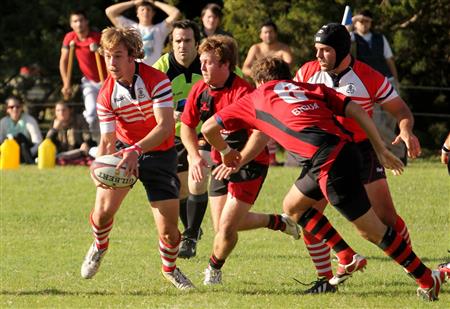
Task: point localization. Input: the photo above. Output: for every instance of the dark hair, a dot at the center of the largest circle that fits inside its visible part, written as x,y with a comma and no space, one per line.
366,13
214,8
186,24
15,98
270,68
269,23
78,12
223,46
146,3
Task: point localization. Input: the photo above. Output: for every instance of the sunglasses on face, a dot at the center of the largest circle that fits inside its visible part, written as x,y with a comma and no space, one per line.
14,106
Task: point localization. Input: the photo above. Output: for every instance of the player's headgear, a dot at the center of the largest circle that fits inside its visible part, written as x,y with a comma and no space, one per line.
336,36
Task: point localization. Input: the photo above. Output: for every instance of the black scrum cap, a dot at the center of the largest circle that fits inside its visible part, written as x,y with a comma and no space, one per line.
336,36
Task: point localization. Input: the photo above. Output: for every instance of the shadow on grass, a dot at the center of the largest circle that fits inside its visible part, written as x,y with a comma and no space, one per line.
52,292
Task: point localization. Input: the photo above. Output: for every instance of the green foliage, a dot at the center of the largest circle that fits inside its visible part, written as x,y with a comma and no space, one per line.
32,31
44,234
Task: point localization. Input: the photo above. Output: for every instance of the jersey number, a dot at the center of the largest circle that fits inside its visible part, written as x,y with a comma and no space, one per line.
290,93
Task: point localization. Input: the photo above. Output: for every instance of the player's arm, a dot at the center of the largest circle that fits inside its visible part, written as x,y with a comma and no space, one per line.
172,12
196,162
254,146
211,131
107,144
387,159
398,108
251,57
63,62
115,10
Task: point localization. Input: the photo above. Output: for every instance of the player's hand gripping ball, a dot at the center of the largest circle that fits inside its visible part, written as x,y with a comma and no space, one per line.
103,169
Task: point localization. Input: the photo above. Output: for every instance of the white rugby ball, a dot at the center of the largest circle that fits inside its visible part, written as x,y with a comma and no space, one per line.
104,170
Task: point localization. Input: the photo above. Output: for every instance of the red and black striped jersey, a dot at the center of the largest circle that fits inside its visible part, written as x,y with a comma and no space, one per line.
299,116
359,81
129,111
203,102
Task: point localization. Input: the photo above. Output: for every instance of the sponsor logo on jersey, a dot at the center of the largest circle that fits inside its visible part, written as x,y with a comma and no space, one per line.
351,89
119,99
307,107
141,93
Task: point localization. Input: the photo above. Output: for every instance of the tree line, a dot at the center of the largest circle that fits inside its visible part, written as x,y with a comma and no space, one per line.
418,31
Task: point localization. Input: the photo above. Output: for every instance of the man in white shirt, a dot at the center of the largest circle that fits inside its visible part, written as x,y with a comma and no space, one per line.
153,35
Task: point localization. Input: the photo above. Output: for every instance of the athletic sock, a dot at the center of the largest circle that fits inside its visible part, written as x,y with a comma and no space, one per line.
396,247
215,263
276,223
318,225
195,209
101,233
400,227
183,212
169,254
320,255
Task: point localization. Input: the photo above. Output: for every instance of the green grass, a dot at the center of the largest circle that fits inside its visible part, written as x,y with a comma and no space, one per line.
44,234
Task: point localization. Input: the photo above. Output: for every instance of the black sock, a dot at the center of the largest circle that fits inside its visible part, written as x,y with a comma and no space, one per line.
276,223
215,262
195,209
183,212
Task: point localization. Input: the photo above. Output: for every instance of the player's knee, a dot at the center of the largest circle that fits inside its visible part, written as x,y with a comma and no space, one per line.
227,232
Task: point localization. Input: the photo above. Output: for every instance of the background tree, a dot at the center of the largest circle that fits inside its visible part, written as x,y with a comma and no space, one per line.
32,31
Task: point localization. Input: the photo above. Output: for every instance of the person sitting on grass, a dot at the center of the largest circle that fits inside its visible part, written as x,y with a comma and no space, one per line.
23,128
70,133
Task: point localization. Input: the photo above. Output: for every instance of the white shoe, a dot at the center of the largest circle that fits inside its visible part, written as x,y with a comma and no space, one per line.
292,228
92,262
345,271
178,279
212,276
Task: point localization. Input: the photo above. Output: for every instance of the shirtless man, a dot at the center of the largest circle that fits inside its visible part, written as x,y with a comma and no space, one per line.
270,46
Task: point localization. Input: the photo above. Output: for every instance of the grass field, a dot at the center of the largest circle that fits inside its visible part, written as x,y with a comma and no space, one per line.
45,234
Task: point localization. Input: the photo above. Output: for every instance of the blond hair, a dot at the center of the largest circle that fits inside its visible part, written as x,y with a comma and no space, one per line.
223,46
131,38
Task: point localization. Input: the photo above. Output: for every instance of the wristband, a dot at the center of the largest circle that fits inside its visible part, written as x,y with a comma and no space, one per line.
445,149
225,151
135,148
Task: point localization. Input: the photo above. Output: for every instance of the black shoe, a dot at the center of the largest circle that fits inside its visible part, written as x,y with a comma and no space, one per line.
188,248
321,285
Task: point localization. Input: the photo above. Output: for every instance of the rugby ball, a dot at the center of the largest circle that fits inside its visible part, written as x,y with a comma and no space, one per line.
103,169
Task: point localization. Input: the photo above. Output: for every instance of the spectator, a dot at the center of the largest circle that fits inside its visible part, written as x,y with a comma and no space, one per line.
270,46
373,49
182,66
86,42
153,36
211,17
23,127
70,133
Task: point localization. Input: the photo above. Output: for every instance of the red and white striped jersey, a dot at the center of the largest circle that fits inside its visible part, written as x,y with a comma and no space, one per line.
129,111
359,81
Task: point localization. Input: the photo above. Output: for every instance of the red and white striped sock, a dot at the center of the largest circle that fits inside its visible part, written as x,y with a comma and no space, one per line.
400,227
168,255
320,255
101,233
